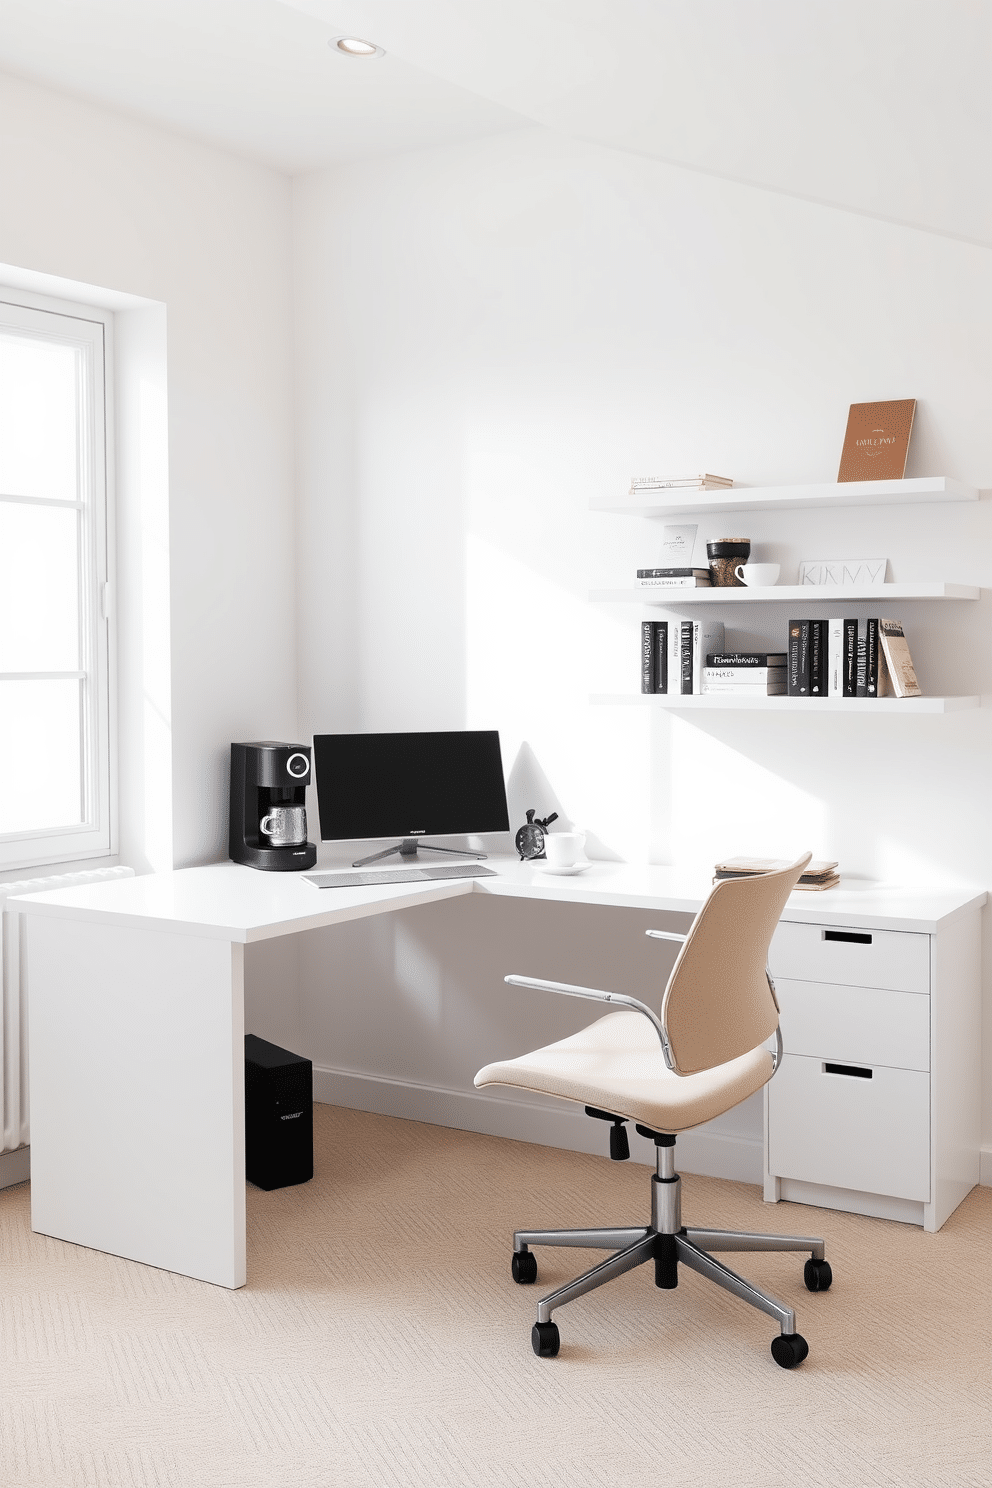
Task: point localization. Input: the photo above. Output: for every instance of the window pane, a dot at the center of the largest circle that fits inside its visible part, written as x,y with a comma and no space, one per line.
39,611
40,782
38,440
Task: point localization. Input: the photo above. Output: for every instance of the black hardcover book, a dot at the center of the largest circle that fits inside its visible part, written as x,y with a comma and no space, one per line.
648,657
804,657
660,655
871,658
861,663
673,573
818,658
747,659
795,657
850,661
685,657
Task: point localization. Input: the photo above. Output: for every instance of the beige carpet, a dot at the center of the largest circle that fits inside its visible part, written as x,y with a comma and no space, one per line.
381,1341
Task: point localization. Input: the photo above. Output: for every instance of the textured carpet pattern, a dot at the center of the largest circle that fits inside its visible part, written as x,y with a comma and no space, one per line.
380,1341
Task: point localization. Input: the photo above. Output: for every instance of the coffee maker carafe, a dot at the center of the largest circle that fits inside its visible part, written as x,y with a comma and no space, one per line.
268,806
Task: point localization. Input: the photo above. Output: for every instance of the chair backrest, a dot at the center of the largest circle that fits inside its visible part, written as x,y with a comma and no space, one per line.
718,1004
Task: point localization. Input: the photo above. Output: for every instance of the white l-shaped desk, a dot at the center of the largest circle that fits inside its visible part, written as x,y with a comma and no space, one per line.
136,1006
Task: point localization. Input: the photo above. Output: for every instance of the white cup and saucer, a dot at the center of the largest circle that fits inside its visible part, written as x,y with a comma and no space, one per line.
563,851
758,575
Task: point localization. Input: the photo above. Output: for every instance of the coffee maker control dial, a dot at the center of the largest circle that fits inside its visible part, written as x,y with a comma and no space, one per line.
298,765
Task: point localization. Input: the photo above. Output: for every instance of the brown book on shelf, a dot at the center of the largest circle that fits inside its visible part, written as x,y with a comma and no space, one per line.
899,663
877,441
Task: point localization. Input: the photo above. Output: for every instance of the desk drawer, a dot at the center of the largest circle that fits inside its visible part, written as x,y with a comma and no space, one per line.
849,1131
860,1025
895,959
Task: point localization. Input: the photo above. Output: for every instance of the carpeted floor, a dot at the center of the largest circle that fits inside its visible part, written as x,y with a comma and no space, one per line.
381,1341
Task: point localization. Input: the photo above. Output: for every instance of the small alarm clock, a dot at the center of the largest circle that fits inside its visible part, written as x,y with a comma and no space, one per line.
530,838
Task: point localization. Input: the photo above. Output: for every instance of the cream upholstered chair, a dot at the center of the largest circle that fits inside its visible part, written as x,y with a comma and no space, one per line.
705,1054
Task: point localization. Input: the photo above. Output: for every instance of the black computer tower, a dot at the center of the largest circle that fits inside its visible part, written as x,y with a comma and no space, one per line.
278,1115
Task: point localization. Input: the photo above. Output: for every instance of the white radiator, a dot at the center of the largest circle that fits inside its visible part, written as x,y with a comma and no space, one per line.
15,1131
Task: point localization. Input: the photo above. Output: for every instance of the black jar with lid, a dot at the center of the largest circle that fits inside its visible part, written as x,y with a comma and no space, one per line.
725,555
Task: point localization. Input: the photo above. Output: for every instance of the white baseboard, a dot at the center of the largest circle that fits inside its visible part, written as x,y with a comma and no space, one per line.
985,1167
715,1154
15,1167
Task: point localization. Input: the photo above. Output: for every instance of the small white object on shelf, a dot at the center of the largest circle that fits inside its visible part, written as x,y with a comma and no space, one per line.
844,573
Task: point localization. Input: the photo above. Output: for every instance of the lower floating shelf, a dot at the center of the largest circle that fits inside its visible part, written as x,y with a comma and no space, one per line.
676,703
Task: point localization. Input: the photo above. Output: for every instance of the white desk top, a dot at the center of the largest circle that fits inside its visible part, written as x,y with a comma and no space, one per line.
231,902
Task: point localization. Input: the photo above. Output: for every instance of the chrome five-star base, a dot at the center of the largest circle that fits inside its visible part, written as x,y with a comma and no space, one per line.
667,1242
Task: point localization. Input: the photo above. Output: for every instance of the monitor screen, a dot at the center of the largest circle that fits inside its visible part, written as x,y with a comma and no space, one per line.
409,785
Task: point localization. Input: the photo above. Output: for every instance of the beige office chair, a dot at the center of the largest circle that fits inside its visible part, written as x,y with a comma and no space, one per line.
703,1056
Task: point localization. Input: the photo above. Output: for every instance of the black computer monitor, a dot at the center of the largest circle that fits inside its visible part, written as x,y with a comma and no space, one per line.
371,786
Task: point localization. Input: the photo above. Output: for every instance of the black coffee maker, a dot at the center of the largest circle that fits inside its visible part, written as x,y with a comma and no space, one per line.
268,806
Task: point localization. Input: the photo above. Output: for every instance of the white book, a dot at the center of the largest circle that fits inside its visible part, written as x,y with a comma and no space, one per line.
745,689
707,636
893,646
835,658
680,583
755,676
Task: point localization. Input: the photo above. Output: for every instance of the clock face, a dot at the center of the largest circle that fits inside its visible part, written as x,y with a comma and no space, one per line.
530,841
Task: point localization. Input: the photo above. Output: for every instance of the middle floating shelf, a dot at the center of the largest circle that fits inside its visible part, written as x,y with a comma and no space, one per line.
831,594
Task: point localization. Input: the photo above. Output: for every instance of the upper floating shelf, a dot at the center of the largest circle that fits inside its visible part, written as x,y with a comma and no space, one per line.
790,498
833,594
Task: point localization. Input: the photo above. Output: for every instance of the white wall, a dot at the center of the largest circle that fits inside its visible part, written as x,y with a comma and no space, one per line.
91,196
491,336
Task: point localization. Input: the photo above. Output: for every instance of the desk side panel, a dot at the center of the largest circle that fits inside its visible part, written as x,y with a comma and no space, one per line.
137,1094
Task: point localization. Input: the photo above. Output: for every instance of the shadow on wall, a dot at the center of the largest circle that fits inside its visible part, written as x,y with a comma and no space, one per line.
528,786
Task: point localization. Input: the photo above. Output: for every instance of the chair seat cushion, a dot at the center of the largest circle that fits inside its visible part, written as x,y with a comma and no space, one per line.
616,1064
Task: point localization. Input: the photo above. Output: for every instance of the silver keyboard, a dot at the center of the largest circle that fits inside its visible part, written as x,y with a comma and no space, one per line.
364,877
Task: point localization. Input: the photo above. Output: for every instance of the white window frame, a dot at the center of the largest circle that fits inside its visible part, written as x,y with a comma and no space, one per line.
90,330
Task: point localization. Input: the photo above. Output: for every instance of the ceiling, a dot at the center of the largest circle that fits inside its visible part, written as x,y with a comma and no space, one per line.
875,106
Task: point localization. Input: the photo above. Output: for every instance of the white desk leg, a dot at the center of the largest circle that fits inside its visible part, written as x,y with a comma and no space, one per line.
137,1094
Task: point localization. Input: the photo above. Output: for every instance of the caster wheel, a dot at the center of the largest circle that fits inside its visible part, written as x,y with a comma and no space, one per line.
524,1267
546,1340
789,1349
817,1275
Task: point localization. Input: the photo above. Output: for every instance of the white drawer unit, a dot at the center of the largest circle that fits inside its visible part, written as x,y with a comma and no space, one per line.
852,957
875,1107
856,1025
852,1126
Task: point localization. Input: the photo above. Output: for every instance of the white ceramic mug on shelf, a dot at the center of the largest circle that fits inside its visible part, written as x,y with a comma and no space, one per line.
563,849
758,575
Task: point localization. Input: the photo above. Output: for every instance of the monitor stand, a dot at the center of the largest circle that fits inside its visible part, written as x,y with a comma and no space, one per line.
409,848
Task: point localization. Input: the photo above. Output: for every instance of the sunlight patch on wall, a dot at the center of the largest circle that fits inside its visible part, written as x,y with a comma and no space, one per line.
533,648
724,804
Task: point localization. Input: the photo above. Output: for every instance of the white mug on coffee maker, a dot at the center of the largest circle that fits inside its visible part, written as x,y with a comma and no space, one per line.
285,826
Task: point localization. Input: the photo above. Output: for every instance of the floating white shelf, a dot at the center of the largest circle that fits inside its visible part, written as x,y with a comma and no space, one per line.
672,503
736,703
832,594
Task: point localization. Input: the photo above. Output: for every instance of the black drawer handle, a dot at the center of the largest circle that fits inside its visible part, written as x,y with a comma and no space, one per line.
851,936
848,1069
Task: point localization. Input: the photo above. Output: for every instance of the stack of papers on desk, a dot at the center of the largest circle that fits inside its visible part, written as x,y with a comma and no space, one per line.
817,875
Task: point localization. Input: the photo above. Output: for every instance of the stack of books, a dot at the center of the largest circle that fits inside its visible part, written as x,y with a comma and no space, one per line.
816,876
639,483
850,658
745,673
674,578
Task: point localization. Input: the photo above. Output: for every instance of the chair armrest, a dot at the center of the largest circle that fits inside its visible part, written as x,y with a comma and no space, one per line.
665,935
593,993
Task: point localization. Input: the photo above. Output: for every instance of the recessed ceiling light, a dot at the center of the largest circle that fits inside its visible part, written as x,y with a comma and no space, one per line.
353,46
